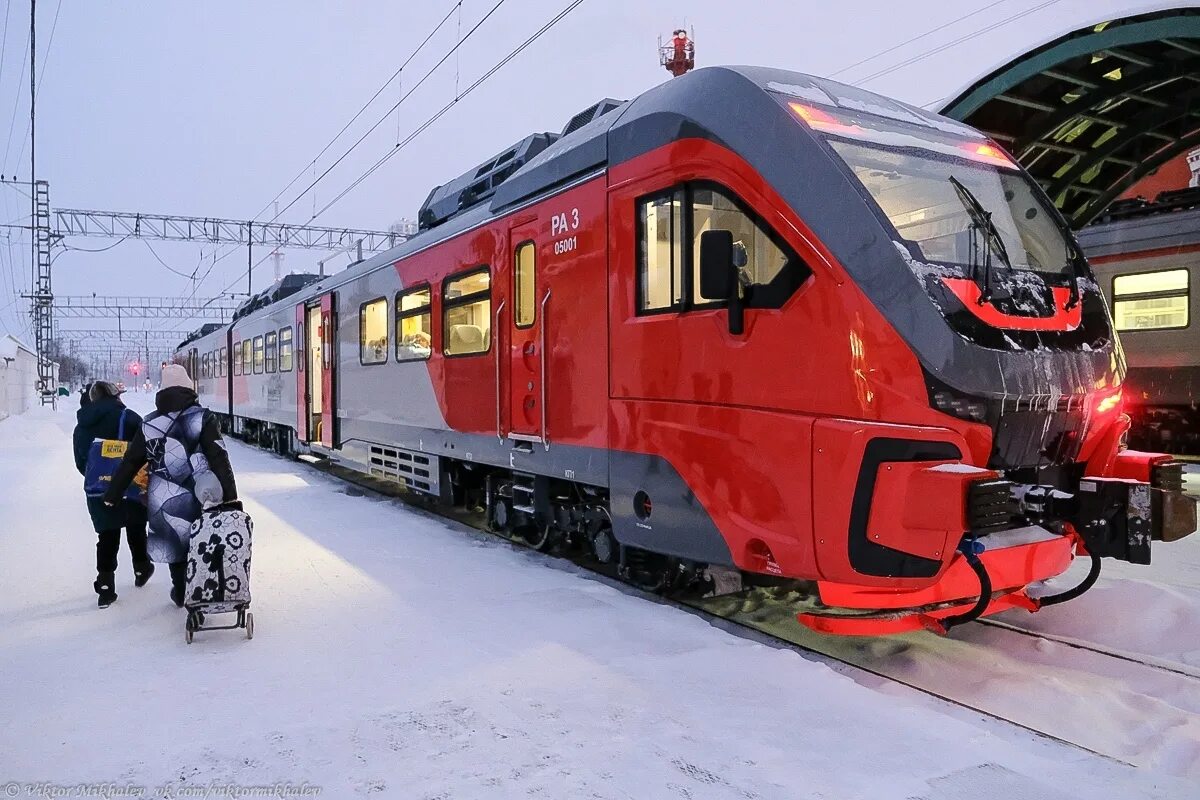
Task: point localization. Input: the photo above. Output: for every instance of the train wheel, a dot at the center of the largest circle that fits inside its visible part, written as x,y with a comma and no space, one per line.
649,572
540,537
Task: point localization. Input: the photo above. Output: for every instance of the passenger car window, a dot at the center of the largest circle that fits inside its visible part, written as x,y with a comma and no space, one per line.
223,363
258,354
373,332
272,352
247,364
1151,300
467,313
414,324
237,358
285,349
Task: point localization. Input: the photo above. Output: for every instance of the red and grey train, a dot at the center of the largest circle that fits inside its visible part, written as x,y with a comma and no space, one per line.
750,328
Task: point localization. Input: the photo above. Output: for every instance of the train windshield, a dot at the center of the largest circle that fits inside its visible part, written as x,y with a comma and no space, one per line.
951,194
921,193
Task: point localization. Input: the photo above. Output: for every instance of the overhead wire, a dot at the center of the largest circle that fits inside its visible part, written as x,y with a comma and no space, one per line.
918,38
954,43
16,106
456,6
41,76
459,96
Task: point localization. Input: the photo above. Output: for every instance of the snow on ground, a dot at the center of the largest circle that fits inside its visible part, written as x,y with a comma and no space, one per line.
401,654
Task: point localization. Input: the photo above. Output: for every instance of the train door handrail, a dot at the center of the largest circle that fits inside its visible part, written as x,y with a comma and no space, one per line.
499,356
545,375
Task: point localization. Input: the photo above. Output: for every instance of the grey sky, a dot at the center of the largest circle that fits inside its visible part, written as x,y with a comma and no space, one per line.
211,108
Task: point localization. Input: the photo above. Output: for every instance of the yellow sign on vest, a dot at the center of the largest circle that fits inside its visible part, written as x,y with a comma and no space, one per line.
113,448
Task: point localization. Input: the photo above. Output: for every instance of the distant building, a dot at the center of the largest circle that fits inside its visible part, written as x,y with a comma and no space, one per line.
18,377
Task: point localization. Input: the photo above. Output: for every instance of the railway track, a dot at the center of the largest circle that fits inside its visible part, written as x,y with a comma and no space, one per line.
767,616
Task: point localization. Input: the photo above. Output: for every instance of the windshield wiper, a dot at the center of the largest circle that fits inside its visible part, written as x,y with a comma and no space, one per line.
981,219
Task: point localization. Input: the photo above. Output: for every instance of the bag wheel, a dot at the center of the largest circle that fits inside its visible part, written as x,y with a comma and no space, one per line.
249,625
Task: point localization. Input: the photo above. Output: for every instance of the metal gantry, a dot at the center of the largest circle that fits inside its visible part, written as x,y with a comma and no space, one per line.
101,337
42,297
111,307
211,230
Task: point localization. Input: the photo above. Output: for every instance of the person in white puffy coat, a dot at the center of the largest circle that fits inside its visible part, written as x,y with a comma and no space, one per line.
189,471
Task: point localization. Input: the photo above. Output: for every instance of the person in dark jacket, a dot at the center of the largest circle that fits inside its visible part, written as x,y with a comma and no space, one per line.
189,471
100,418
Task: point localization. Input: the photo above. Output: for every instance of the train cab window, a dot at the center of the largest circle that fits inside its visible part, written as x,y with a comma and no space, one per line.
414,324
524,280
467,313
237,358
285,349
271,347
660,252
259,355
1151,300
247,363
670,227
715,209
373,331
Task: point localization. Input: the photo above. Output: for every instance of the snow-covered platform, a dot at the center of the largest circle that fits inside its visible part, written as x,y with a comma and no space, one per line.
401,654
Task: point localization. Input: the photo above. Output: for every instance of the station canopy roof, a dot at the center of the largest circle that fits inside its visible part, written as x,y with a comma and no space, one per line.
1093,111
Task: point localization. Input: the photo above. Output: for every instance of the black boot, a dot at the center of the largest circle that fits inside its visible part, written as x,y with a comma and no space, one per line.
142,573
178,582
106,592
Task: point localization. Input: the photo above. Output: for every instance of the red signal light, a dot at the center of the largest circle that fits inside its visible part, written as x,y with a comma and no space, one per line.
1109,403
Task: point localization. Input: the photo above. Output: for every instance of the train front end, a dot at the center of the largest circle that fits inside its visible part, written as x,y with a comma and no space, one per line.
1015,464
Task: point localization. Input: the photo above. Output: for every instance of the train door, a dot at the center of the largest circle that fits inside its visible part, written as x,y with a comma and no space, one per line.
328,364
193,367
317,389
302,373
525,363
227,371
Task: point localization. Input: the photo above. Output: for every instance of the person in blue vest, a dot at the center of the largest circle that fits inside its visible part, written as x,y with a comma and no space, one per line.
189,471
100,418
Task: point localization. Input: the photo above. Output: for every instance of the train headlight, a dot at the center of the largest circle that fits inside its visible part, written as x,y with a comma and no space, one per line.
960,406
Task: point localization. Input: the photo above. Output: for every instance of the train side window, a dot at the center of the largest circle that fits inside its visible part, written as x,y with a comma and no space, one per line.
204,365
1148,301
669,228
660,252
271,347
259,355
247,363
467,313
772,272
285,349
414,324
524,283
237,358
223,363
373,331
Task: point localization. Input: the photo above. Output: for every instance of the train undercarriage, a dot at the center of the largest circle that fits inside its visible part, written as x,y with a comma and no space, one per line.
1021,533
